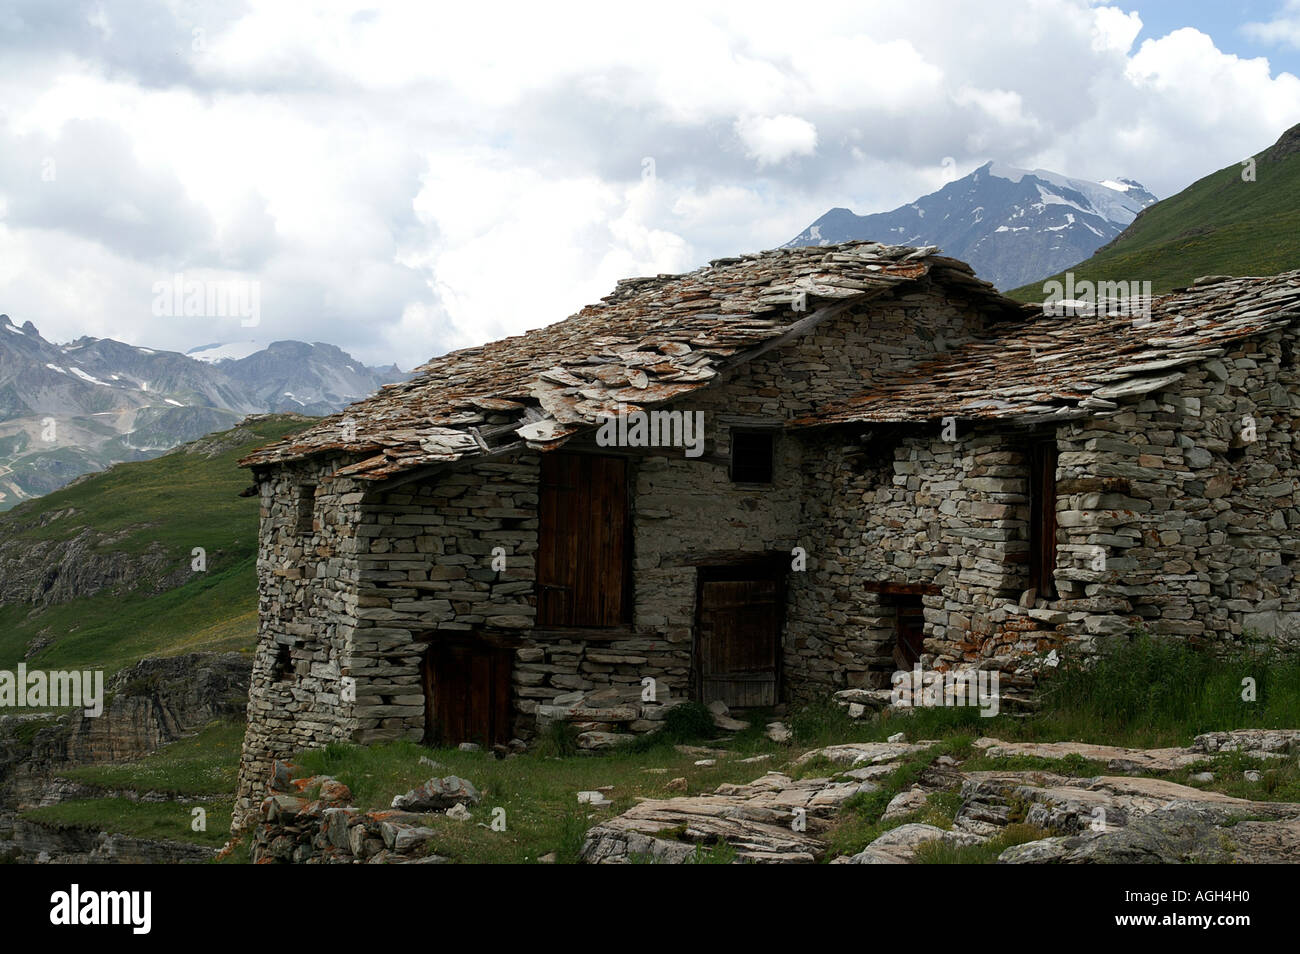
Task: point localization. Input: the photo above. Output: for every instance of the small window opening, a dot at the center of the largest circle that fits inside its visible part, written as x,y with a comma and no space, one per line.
306,508
874,455
751,456
283,667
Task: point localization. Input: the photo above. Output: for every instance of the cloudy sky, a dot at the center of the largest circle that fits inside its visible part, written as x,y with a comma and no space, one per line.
402,179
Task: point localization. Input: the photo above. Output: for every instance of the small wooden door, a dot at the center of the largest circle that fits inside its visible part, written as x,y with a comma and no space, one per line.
583,542
739,631
910,629
467,693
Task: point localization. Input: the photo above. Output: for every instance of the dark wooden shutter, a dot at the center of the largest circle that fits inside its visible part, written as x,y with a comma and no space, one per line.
1042,519
739,634
582,559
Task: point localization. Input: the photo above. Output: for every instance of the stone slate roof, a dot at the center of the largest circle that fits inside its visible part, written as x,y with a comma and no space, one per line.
1061,367
649,341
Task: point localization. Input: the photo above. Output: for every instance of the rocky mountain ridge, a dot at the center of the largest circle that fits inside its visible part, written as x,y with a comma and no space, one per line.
1012,225
71,409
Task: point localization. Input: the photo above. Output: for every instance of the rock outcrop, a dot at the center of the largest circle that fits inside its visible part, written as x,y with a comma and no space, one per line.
150,704
1108,819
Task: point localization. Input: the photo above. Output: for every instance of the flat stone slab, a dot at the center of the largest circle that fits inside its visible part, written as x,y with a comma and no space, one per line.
1117,758
898,845
758,819
864,753
553,713
1251,741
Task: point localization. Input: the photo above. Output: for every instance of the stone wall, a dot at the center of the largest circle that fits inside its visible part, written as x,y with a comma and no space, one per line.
688,513
903,507
385,571
1176,513
1192,510
425,558
307,573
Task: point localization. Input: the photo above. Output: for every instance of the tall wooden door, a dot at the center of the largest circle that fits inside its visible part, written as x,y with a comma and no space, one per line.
739,628
583,542
467,693
1042,519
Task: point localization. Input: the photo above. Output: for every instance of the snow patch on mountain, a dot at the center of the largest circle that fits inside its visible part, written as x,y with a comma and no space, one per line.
90,378
228,351
1114,202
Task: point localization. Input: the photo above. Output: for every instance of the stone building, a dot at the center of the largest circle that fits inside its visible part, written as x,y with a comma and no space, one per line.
780,476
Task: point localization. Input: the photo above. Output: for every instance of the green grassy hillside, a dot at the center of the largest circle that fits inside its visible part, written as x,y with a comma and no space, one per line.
159,510
1219,225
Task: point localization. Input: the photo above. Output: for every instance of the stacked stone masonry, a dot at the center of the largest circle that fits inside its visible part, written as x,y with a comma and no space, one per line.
1175,512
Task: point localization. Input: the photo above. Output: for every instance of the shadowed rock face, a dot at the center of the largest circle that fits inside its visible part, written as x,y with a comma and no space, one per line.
82,846
45,572
1109,819
1179,832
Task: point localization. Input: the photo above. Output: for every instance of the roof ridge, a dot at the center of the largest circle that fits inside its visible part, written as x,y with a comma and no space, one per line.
650,340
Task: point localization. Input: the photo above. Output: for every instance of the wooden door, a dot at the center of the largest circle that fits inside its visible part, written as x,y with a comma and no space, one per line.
739,633
910,630
583,541
1042,519
467,694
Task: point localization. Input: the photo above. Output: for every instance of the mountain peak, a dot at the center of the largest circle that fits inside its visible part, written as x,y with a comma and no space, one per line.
1226,223
1012,225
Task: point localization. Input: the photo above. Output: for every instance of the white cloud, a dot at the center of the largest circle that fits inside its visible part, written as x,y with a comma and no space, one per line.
1283,29
517,250
773,139
413,177
1114,30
